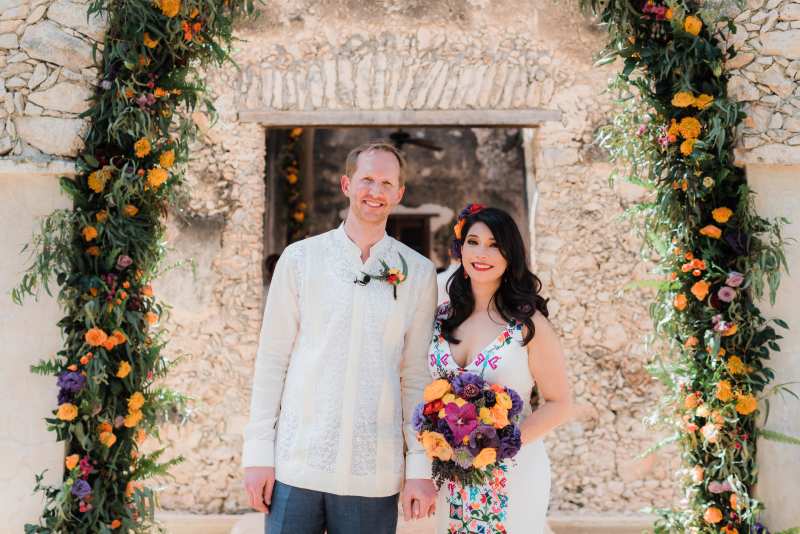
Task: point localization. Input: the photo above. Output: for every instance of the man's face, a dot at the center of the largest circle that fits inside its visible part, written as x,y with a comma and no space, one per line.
374,189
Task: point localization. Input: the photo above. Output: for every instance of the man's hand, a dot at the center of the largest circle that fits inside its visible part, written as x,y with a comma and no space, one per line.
259,481
419,498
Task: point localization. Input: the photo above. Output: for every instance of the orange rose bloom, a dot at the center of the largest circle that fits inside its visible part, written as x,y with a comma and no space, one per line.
136,401
680,302
105,426
67,411
721,215
95,337
436,446
693,25
500,416
133,418
700,289
93,251
71,461
119,337
712,515
89,233
485,457
724,391
711,231
108,439
435,390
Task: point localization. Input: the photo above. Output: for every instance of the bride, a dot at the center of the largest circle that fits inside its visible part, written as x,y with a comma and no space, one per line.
495,325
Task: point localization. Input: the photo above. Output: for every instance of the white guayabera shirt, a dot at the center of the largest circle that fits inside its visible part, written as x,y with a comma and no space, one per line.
340,367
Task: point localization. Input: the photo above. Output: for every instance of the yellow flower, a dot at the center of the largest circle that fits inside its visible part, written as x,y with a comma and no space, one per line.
67,411
71,461
130,210
170,8
136,401
156,177
101,216
692,25
97,181
683,100
700,289
724,392
124,369
680,302
711,231
485,457
108,438
486,416
690,128
736,366
436,390
686,148
436,446
148,41
89,233
141,147
291,178
708,182
166,159
722,215
504,400
746,404
703,101
133,418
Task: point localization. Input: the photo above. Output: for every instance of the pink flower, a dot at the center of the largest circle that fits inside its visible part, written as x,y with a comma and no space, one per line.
642,128
734,279
726,294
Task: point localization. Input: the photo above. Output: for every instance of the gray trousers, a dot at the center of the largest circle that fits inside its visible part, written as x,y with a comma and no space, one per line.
303,511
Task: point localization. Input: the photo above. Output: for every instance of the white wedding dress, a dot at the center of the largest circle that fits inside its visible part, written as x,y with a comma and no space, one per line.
515,501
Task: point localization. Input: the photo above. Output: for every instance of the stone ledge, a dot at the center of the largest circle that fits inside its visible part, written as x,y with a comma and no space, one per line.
769,154
48,167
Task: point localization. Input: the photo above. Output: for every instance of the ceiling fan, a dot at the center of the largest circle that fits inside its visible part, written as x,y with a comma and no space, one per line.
400,138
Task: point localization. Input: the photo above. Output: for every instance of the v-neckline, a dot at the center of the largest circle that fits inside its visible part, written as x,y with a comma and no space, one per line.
483,351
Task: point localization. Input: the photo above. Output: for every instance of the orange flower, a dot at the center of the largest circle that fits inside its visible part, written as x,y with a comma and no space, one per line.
133,418
156,177
97,181
692,341
115,524
105,426
93,250
436,446
458,227
703,101
721,215
691,401
680,302
724,391
119,336
712,515
160,92
746,404
101,216
95,337
689,128
736,366
124,369
435,390
141,435
110,343
166,159
130,210
500,416
71,461
668,13
711,231
141,147
729,530
686,149
67,411
151,317
136,401
170,8
486,457
700,289
89,233
107,438
734,501
147,291
732,329
682,99
148,41
693,25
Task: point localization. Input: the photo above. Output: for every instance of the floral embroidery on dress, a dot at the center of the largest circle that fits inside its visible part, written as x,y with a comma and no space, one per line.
478,509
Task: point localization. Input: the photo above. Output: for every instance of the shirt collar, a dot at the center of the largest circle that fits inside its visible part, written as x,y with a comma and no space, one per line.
352,251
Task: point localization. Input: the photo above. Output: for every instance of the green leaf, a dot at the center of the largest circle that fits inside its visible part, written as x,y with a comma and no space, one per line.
778,437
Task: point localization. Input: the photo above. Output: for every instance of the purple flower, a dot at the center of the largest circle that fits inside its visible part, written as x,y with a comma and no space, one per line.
462,457
461,419
64,396
516,403
444,429
489,398
123,261
734,279
726,294
417,420
71,381
81,488
482,437
510,442
468,385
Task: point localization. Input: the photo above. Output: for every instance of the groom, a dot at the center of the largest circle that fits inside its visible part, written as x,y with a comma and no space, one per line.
341,364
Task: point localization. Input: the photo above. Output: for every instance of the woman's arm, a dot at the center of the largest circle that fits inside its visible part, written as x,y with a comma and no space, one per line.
548,367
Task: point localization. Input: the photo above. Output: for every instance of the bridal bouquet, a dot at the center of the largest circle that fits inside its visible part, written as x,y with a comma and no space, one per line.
467,426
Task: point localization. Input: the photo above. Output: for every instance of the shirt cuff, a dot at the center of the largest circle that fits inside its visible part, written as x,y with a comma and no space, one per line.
417,465
258,453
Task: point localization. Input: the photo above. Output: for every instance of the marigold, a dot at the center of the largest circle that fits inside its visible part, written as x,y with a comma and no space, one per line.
160,92
682,99
151,317
711,231
148,41
722,215
686,148
166,159
170,8
680,302
746,404
136,401
93,250
724,391
105,426
435,390
703,101
107,438
89,233
736,366
95,337
436,446
141,147
124,369
689,128
700,289
156,177
133,418
97,181
673,129
71,461
486,457
130,210
691,401
693,25
67,411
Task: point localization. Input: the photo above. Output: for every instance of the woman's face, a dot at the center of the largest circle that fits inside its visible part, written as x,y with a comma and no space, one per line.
481,256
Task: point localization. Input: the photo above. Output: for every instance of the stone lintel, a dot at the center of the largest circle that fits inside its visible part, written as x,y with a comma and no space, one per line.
511,118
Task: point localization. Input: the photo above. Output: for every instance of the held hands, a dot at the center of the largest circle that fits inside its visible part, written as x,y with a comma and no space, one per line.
258,482
418,498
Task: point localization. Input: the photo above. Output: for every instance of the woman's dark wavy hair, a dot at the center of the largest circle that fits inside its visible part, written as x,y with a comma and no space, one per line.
518,295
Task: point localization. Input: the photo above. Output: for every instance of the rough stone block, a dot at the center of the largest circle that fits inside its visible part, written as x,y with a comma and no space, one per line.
52,135
48,42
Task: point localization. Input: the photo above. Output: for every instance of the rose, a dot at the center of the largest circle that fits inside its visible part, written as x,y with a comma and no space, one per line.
436,446
734,279
123,261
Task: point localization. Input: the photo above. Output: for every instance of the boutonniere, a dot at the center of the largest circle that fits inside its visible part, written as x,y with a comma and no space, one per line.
390,275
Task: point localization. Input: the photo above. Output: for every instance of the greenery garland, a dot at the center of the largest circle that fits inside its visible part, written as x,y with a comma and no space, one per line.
106,249
289,157
675,135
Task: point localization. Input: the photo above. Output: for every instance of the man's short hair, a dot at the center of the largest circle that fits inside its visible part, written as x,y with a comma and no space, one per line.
381,145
